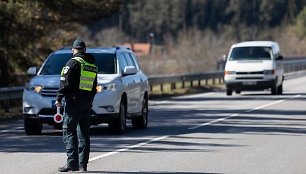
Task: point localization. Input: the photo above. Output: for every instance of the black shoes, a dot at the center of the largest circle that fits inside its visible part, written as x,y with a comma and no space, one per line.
67,168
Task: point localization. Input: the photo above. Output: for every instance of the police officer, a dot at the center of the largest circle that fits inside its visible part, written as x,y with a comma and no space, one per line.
78,85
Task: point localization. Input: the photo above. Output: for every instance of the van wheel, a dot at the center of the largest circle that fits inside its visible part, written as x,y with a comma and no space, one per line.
118,126
141,122
280,89
229,92
32,126
274,90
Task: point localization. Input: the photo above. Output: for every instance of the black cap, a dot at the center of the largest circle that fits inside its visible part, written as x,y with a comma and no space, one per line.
79,44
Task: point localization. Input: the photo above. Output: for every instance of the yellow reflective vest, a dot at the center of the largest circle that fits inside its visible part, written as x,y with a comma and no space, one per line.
88,74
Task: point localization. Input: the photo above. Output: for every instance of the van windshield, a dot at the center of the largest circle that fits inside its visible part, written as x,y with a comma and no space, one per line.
251,53
106,63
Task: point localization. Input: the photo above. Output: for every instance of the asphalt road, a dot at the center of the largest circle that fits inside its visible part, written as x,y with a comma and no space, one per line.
254,132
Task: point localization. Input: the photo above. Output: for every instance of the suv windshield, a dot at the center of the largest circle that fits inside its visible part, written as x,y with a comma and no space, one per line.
251,53
106,63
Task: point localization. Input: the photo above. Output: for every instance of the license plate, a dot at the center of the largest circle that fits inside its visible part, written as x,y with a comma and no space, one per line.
62,103
249,83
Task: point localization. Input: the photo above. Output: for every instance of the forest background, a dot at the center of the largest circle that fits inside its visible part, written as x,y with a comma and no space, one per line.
187,36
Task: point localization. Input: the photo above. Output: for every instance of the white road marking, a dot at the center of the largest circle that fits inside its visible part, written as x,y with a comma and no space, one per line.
128,148
191,128
211,122
247,111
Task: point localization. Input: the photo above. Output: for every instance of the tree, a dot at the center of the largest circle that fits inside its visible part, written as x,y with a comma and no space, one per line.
31,28
301,23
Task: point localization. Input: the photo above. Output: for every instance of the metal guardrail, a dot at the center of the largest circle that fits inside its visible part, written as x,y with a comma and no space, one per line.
173,79
295,65
7,94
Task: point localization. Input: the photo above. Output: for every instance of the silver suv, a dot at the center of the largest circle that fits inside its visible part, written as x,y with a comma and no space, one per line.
122,91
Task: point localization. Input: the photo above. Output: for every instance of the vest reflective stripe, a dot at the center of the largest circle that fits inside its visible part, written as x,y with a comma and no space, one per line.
62,70
88,74
85,85
87,78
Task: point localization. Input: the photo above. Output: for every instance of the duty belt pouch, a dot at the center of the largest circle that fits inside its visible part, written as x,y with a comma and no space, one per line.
71,100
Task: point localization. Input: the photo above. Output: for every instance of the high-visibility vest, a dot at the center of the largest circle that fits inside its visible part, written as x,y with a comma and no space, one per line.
88,74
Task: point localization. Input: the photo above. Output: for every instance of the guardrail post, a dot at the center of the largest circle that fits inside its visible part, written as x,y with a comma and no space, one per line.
191,83
151,88
183,84
173,86
214,80
199,84
206,81
161,87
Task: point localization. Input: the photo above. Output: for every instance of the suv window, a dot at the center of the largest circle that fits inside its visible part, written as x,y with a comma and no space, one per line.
129,60
106,63
122,62
135,60
251,53
55,64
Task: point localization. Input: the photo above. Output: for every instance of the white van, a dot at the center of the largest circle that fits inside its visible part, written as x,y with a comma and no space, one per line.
254,65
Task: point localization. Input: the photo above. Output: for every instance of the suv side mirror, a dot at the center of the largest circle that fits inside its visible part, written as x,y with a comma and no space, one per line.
32,71
280,57
129,70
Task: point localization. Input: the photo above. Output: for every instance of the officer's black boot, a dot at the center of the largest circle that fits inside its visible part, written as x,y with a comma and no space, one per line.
67,168
83,169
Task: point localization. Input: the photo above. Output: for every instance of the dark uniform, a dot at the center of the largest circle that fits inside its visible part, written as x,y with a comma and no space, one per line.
76,121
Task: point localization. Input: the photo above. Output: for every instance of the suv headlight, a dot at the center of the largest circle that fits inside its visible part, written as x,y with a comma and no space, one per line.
106,87
36,89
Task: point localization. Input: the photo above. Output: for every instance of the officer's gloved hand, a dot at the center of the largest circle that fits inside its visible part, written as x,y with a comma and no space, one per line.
57,104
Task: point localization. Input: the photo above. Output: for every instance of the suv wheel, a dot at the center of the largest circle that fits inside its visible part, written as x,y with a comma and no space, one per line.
32,126
141,122
119,124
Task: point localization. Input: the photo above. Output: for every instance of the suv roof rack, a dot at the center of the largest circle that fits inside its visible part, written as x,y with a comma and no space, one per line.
122,47
66,47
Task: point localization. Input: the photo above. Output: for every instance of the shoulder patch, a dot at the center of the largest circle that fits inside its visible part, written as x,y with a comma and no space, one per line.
63,78
66,69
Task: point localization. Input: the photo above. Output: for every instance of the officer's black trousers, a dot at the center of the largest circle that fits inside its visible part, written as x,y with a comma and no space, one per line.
76,124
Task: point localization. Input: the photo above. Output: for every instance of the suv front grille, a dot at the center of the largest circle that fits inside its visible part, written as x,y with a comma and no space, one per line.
49,92
254,72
